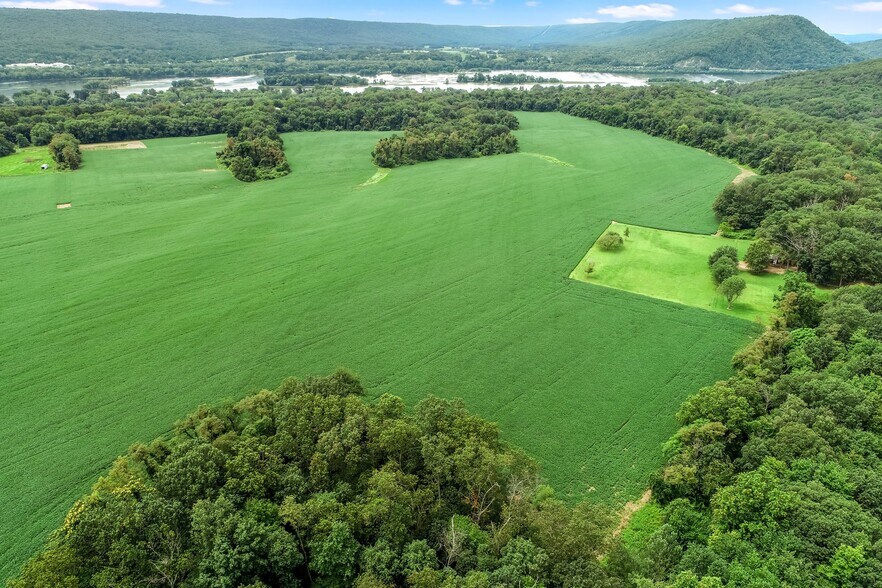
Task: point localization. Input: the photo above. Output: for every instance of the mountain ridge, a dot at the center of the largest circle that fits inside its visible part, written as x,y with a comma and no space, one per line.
766,42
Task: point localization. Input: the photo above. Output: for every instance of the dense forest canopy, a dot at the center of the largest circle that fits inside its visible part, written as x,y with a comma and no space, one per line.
852,92
765,43
775,477
311,485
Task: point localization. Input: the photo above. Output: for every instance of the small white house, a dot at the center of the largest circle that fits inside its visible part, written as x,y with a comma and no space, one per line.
45,166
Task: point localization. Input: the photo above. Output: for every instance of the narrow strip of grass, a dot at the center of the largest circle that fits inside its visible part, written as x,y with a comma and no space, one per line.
673,266
27,162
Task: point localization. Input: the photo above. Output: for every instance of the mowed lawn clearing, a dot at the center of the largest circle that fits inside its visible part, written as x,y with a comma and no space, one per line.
164,287
27,162
673,266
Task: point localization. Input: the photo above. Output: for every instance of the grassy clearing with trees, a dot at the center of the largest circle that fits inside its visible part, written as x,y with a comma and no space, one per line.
26,162
673,266
160,291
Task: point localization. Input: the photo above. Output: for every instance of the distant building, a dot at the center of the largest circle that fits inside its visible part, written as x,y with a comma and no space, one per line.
44,166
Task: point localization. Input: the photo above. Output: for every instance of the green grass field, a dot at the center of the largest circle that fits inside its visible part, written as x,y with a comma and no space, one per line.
673,266
166,286
27,162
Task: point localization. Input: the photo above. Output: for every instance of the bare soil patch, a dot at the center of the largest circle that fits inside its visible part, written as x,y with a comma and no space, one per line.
744,175
379,176
772,269
548,159
209,169
63,205
116,145
629,510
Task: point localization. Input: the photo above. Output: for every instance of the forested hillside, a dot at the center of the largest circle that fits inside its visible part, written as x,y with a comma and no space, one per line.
872,49
852,92
765,43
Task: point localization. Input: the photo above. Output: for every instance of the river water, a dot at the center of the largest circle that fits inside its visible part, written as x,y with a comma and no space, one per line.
414,81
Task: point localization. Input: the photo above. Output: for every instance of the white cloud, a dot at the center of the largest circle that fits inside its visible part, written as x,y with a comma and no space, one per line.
149,3
77,4
746,9
53,5
453,2
532,4
864,7
652,10
582,20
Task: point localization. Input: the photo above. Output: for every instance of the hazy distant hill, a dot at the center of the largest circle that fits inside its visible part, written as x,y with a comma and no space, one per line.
863,38
871,49
772,42
851,92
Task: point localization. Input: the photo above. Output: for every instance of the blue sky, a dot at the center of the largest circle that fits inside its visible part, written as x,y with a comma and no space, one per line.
835,17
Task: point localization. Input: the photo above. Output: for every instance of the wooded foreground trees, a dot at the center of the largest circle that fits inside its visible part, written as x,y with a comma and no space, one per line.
311,485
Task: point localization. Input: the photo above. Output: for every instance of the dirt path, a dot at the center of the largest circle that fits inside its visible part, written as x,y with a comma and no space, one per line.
629,510
117,145
745,173
742,265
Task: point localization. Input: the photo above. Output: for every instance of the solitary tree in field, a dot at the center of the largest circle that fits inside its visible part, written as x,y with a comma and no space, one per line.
589,269
732,288
627,232
758,255
611,241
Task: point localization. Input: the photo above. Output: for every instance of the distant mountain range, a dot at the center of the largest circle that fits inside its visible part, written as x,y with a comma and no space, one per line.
75,36
851,39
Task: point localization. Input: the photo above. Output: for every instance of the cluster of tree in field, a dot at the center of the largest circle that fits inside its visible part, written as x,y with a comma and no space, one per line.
467,132
255,153
775,476
723,264
503,78
65,150
311,485
312,79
